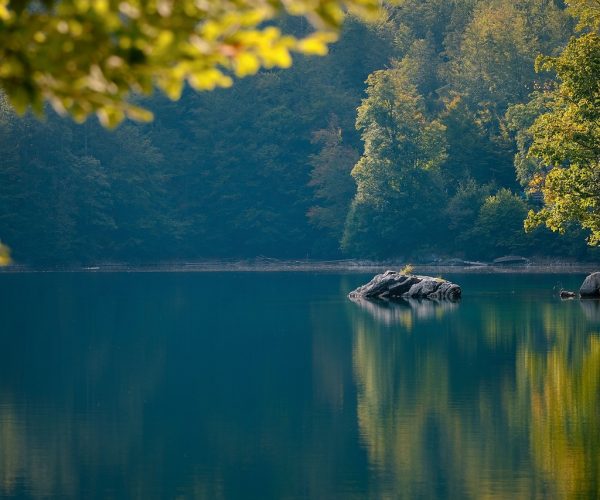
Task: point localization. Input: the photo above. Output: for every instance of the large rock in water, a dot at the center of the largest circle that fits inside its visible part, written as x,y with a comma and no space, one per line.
591,286
393,284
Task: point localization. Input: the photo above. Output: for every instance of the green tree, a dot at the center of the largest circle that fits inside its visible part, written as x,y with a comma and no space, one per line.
493,64
331,180
518,120
399,190
566,139
498,229
462,211
476,148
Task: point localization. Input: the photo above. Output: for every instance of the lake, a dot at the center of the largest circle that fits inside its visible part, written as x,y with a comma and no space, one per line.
276,386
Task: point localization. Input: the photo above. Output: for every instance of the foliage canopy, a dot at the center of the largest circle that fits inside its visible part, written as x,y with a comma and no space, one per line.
566,138
263,168
88,56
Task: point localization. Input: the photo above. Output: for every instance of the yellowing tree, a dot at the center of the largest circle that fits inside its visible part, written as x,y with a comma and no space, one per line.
87,56
566,138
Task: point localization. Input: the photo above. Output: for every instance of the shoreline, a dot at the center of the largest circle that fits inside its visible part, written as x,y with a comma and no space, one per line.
299,266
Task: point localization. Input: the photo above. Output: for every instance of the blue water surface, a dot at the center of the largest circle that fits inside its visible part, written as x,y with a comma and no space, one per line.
276,386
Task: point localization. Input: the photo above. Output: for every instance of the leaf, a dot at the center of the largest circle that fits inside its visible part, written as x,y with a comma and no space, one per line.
317,44
246,64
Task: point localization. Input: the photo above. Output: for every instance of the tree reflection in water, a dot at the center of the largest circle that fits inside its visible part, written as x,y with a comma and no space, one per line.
163,384
499,399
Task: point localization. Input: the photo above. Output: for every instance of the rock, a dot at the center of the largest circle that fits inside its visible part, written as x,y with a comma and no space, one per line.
403,286
591,287
393,284
564,294
512,260
423,288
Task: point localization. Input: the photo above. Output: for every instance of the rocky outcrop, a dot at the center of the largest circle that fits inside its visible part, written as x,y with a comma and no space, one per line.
590,289
392,284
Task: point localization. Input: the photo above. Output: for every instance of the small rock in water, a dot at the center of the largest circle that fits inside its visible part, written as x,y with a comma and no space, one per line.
591,287
565,294
392,284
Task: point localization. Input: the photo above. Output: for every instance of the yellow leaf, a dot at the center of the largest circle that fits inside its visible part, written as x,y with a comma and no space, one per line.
110,117
139,114
5,14
246,64
172,85
164,39
316,44
208,79
101,6
277,56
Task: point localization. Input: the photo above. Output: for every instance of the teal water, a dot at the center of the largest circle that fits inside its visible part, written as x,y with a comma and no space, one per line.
274,385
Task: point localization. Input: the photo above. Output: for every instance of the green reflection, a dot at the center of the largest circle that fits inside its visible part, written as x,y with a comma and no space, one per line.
561,389
499,398
167,386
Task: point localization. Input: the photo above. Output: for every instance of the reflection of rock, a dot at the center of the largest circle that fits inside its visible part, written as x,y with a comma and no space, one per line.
393,284
591,286
591,309
459,263
403,311
511,260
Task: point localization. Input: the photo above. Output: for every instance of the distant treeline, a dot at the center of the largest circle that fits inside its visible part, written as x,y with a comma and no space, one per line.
264,168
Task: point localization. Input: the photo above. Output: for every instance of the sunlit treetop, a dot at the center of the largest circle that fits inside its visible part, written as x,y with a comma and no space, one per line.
88,56
587,12
565,143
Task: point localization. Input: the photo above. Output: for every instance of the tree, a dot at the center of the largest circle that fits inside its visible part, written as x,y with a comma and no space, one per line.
499,229
476,148
399,191
462,212
88,56
566,139
518,120
494,63
331,180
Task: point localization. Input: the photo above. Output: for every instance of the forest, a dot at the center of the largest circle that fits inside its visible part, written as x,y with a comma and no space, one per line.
415,136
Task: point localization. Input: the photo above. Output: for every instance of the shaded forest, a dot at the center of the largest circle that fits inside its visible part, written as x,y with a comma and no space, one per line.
406,140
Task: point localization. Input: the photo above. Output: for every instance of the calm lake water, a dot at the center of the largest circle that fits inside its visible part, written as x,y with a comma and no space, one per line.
274,385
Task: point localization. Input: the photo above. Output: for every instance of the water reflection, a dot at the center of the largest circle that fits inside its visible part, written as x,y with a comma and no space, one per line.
591,309
562,405
73,394
404,311
163,387
498,400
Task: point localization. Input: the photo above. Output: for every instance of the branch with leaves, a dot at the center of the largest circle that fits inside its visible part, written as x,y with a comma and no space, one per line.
88,56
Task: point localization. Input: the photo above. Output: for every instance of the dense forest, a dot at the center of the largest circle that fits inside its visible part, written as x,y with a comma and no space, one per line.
407,140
